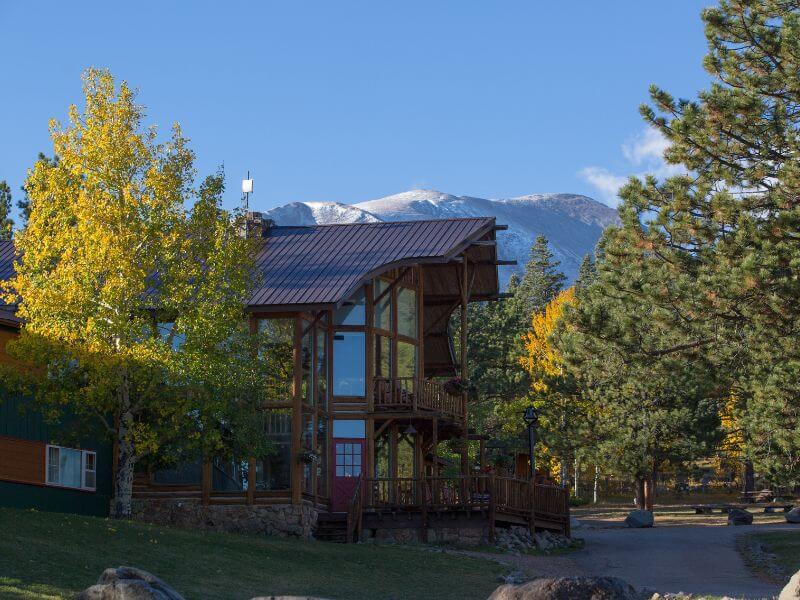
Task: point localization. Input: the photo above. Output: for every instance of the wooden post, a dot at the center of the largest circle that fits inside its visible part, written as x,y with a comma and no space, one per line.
206,483
464,357
532,492
492,505
297,414
370,355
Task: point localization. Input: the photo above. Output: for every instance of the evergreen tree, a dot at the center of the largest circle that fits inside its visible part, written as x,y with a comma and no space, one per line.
541,281
6,223
24,203
586,273
722,241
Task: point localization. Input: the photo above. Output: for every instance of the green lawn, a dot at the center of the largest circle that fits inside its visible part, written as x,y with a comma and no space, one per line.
53,555
785,547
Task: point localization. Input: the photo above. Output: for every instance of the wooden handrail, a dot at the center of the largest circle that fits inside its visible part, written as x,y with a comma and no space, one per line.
355,509
415,394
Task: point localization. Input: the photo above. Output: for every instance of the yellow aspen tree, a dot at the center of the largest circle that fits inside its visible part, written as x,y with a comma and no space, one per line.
121,258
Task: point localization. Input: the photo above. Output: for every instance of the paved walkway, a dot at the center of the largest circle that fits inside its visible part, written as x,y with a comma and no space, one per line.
693,559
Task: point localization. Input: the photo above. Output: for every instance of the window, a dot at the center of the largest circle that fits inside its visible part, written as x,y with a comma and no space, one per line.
407,313
349,364
383,307
276,346
353,311
383,357
406,359
322,369
68,467
167,332
349,428
273,472
348,459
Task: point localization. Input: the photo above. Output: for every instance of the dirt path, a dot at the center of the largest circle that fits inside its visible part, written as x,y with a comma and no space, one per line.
694,559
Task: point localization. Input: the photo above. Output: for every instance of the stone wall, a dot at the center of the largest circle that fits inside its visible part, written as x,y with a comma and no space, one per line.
271,519
462,536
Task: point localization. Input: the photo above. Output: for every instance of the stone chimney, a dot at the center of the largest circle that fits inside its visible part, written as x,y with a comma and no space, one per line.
256,226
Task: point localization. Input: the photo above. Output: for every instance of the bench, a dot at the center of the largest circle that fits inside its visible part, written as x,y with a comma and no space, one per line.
707,509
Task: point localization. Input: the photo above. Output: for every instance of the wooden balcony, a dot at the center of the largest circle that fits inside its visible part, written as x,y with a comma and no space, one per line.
496,499
418,396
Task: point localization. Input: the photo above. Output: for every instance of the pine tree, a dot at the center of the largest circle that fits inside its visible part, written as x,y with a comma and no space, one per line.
541,281
723,240
6,223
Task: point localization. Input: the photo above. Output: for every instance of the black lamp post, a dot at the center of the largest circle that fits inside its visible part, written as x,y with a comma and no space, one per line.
531,418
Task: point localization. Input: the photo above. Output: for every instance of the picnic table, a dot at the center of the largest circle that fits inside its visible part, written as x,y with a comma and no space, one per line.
770,507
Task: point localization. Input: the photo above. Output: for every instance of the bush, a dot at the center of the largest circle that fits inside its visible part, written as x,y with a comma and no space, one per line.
578,501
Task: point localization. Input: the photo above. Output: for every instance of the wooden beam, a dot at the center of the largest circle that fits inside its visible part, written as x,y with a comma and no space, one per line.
484,243
297,415
382,427
500,227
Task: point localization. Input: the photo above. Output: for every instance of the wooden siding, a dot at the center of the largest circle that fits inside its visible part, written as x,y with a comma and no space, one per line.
22,461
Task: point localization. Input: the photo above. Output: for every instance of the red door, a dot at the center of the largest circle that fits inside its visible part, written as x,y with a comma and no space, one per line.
348,465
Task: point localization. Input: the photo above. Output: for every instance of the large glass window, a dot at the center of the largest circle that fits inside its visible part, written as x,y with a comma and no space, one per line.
349,428
406,359
322,451
273,472
353,311
276,348
406,456
230,475
183,473
383,356
348,363
306,387
68,467
383,467
322,369
383,307
407,312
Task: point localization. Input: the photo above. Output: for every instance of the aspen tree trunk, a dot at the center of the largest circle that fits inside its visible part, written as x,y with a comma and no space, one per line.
576,467
123,481
596,482
639,492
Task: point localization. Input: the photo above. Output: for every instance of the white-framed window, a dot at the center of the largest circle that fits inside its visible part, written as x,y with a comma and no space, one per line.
68,467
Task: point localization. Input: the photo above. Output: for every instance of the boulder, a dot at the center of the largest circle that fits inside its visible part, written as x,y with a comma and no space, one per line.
639,518
792,589
737,516
793,516
128,583
568,588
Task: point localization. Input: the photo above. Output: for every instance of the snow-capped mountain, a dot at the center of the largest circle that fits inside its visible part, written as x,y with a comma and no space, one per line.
571,223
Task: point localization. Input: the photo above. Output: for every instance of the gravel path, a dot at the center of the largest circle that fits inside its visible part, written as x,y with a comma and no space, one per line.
691,559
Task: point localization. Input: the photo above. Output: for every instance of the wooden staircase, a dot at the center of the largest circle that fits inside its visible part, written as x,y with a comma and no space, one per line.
332,527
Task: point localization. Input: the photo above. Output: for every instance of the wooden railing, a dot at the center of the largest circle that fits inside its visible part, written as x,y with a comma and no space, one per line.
355,510
503,495
411,393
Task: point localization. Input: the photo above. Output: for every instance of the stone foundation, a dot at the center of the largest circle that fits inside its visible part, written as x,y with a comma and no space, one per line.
270,519
464,536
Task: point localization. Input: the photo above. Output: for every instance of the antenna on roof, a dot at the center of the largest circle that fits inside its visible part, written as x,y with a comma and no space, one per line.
247,189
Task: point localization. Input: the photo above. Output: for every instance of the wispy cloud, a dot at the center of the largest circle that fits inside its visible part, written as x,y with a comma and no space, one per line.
644,153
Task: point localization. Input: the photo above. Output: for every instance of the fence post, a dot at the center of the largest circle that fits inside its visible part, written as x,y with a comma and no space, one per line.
492,505
533,506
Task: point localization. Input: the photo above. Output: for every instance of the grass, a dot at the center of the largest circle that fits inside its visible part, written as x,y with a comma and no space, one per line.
669,514
778,557
53,556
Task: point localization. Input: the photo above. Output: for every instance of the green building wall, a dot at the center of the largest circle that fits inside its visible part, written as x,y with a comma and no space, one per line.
19,420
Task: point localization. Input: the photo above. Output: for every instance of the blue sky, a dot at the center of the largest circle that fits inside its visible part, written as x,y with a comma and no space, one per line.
349,101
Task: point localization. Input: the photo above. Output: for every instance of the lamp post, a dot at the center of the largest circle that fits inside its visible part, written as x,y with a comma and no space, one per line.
531,418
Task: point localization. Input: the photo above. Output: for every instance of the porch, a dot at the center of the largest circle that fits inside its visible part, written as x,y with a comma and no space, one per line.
418,396
458,501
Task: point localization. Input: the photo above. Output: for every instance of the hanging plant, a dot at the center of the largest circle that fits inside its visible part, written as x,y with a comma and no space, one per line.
456,386
308,457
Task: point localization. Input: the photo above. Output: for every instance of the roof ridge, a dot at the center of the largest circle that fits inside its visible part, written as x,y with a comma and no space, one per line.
375,223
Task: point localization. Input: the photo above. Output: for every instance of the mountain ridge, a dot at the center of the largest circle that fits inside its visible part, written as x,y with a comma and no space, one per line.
572,223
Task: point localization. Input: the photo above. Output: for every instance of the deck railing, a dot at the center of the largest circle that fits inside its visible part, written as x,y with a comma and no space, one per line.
415,394
495,495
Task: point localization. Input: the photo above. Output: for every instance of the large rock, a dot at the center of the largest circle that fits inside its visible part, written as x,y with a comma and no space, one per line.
639,518
568,588
129,583
737,516
792,589
793,516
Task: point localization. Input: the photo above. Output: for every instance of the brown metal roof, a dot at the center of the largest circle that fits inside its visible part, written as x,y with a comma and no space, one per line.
324,264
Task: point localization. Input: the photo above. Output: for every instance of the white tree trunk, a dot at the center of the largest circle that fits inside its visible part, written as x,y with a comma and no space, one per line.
596,481
123,483
577,468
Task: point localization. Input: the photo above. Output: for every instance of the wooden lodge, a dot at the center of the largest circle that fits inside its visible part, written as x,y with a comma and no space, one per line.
357,318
